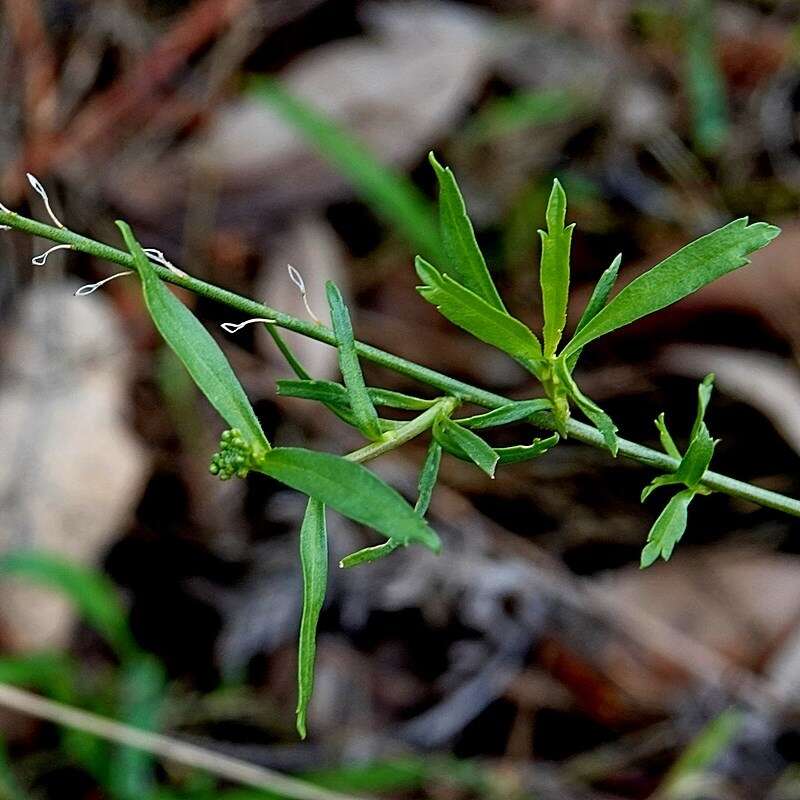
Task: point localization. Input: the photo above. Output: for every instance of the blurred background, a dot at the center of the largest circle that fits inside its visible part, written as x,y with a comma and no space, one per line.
532,659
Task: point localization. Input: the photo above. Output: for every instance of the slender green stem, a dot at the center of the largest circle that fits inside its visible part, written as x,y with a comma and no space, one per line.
463,391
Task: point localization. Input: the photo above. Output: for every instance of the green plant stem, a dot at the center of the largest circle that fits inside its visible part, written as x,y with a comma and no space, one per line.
405,433
463,391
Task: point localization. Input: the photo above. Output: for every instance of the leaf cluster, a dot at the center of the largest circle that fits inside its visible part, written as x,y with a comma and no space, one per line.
461,287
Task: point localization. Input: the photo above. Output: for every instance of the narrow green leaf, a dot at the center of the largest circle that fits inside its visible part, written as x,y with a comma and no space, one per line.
92,594
466,261
671,479
596,303
195,347
667,529
391,195
684,272
596,414
314,561
704,390
369,554
513,412
360,402
667,442
554,269
405,402
474,315
526,452
697,457
427,477
463,439
350,489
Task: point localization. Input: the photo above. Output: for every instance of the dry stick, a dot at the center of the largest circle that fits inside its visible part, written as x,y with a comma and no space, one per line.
463,391
165,747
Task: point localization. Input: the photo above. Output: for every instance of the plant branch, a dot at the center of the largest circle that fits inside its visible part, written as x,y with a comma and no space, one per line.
459,389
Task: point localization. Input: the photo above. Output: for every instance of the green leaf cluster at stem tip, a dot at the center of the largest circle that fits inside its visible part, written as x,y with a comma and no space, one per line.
461,287
670,526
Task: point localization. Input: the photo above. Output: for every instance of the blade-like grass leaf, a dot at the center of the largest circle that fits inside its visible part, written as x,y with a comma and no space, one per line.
142,688
554,269
463,439
314,561
93,595
350,489
684,272
667,529
474,315
360,402
195,347
466,261
392,196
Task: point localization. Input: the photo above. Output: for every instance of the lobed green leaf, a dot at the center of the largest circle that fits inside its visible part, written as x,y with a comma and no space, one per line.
350,489
314,562
692,267
554,269
466,261
364,412
473,314
195,347
668,529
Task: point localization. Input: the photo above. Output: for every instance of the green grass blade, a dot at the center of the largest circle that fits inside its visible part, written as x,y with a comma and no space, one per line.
196,348
467,264
684,272
391,195
705,82
92,594
469,443
142,684
360,402
473,314
350,489
314,561
554,269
